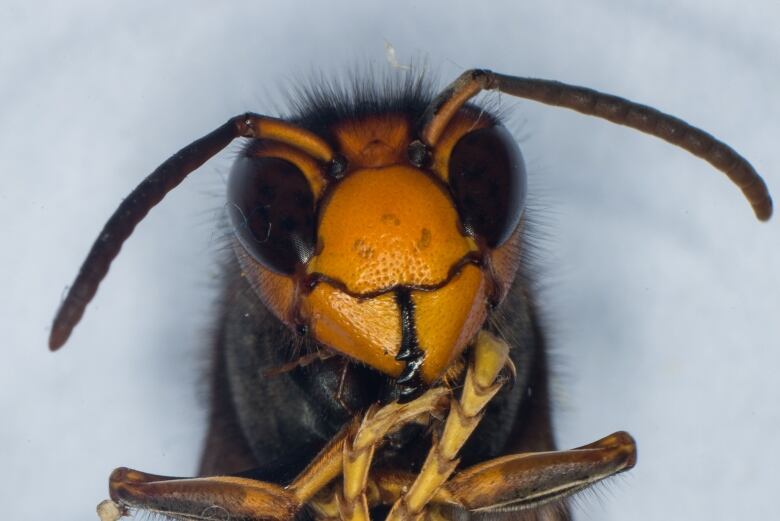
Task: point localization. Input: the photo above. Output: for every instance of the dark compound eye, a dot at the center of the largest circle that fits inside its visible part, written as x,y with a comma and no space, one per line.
271,207
488,181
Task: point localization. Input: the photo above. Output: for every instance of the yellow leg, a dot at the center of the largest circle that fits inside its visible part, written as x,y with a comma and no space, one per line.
359,450
236,497
513,482
351,451
490,356
325,505
529,480
328,464
198,498
356,458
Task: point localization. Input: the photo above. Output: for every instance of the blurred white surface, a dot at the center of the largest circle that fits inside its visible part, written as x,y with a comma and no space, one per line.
660,289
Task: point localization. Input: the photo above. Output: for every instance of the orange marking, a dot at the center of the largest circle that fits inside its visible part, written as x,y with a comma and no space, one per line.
367,330
448,319
278,292
386,227
310,168
374,142
279,130
463,89
506,259
461,124
387,224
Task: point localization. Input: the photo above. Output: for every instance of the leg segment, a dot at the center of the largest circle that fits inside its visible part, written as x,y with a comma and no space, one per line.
363,437
529,480
359,450
250,499
490,356
519,481
202,498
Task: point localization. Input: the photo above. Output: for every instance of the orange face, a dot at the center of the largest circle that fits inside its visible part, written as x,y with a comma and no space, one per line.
393,276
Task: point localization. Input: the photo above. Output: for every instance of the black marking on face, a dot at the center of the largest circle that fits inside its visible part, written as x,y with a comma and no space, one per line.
410,384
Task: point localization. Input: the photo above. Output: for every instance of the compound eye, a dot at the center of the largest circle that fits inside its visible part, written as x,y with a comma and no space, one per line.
271,208
488,181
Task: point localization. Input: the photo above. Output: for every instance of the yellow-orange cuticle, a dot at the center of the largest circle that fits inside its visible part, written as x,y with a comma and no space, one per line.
387,225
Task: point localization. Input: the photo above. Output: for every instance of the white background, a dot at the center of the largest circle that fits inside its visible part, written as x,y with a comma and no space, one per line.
659,287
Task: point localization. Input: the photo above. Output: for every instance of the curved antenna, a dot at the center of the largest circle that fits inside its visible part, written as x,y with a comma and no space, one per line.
612,108
151,191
